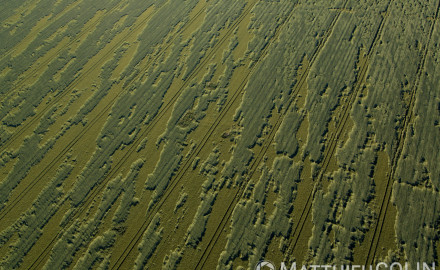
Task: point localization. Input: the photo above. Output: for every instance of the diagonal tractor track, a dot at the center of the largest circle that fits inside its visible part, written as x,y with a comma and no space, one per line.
174,182
400,143
335,137
83,207
99,118
239,194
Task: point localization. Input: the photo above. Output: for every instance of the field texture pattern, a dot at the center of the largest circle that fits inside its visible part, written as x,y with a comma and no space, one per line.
213,134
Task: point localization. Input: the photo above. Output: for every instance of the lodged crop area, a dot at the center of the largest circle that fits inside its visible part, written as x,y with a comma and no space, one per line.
213,134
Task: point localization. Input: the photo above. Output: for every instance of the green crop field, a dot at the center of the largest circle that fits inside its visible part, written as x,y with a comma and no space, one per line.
215,134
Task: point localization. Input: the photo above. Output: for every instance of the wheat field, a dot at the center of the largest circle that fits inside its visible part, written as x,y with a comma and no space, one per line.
214,134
